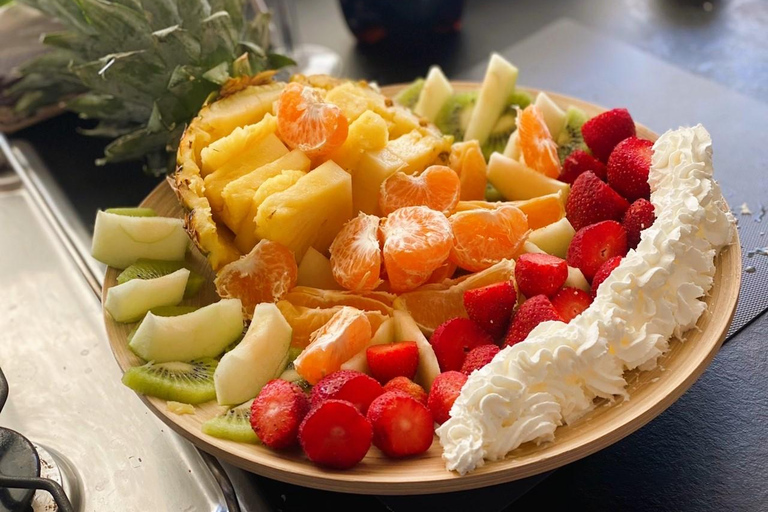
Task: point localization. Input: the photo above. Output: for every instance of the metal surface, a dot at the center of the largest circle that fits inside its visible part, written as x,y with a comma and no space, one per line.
65,386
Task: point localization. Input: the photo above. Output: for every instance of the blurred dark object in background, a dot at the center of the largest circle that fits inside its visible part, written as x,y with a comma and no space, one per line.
401,21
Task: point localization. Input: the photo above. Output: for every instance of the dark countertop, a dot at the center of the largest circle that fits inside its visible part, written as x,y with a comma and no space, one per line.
706,452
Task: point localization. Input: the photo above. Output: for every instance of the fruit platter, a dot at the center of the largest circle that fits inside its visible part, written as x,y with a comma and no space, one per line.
421,288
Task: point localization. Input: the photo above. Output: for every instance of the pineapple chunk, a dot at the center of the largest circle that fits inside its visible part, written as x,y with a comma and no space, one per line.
231,148
238,194
354,100
260,153
420,151
246,236
374,167
315,271
310,213
366,133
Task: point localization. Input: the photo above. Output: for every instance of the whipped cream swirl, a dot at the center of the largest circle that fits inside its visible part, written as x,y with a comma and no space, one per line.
553,377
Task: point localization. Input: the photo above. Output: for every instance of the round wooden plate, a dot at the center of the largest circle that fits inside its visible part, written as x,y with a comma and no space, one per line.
651,392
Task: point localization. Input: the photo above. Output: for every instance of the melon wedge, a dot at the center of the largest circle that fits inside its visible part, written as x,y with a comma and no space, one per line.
129,301
498,84
436,91
515,181
407,330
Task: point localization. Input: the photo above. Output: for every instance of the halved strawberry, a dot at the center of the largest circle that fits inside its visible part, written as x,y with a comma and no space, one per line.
579,162
531,313
445,389
639,216
335,434
570,302
277,413
402,426
628,168
603,272
594,245
452,340
479,357
592,201
604,131
491,306
350,385
406,385
540,274
386,362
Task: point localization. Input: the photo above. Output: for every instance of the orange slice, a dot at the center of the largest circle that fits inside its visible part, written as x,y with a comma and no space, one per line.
309,124
467,160
485,237
317,298
438,188
263,275
346,333
304,321
433,304
356,255
417,241
536,143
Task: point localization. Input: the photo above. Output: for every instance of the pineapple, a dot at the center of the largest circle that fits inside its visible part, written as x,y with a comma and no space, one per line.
246,239
233,144
420,151
238,195
309,213
366,133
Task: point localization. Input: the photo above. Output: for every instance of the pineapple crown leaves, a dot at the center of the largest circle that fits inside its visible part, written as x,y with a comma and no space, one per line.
142,68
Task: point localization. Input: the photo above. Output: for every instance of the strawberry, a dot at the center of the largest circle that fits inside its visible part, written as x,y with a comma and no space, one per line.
594,245
453,339
402,426
445,389
628,168
355,387
335,434
531,313
592,201
579,162
570,302
604,131
277,413
491,306
479,357
386,362
540,274
603,272
406,385
639,216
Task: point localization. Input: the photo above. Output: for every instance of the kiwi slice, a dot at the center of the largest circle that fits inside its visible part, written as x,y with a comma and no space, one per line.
133,212
235,425
410,95
570,139
151,269
506,124
291,375
164,311
191,383
454,116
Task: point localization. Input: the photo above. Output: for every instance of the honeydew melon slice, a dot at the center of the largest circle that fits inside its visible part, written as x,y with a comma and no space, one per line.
202,333
384,335
120,240
406,329
554,116
498,84
515,181
129,301
315,271
576,279
261,356
436,91
555,238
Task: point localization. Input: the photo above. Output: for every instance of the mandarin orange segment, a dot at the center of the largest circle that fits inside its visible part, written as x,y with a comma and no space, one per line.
438,188
443,272
307,123
356,255
263,275
305,320
540,211
417,240
433,304
485,237
318,298
536,143
467,160
344,335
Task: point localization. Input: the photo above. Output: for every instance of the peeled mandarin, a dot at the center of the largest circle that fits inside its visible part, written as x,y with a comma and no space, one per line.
355,254
483,237
438,188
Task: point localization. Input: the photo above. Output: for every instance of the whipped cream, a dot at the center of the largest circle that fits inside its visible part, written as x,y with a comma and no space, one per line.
655,294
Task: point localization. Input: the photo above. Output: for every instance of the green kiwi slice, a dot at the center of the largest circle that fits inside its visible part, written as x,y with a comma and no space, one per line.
151,269
235,425
133,212
164,311
291,375
410,95
506,124
454,116
190,383
570,139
